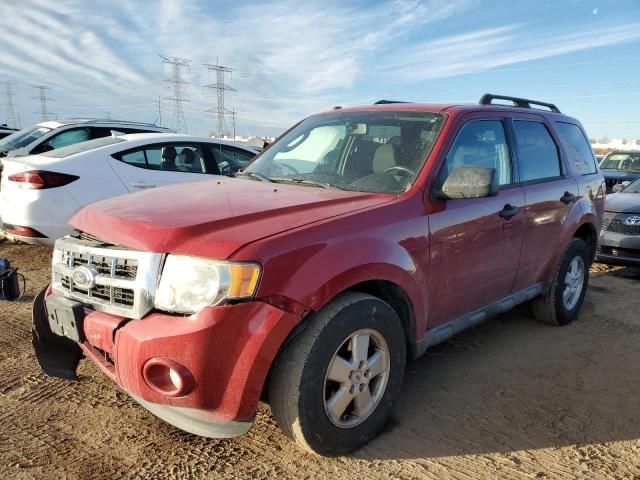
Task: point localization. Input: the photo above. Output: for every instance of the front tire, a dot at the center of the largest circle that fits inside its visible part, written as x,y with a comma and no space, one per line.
333,385
561,304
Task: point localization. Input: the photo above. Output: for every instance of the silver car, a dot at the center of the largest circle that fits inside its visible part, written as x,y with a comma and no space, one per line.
620,237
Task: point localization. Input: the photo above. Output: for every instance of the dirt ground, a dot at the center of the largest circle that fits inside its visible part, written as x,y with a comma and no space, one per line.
510,399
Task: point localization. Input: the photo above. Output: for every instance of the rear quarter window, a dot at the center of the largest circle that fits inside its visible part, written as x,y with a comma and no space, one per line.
577,147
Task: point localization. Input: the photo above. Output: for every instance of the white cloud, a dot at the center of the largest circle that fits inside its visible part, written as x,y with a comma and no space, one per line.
482,50
291,57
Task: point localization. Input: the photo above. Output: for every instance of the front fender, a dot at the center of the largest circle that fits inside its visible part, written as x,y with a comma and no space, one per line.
315,274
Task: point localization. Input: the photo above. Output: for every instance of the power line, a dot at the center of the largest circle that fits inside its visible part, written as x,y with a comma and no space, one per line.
177,85
220,87
42,96
10,114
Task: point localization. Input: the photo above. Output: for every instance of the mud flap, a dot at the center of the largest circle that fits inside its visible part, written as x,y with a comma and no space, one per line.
58,356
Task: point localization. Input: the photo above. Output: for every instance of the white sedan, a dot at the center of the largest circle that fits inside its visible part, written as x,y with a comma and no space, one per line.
40,193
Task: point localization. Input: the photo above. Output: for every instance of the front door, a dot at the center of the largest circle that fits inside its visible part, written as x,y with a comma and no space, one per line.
476,242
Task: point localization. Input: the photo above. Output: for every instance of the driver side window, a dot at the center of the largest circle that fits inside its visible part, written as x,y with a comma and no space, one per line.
480,143
69,137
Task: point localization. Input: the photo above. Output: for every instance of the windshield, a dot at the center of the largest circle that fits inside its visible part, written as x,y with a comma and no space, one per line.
377,151
633,187
82,147
626,162
22,138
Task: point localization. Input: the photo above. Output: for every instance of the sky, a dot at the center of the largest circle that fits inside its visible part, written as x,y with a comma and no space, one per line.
294,58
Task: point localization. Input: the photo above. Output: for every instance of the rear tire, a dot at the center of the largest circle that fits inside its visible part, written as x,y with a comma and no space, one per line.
333,385
561,304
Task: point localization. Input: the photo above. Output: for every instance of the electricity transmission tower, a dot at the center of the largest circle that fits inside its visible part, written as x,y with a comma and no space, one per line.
177,85
42,96
10,114
220,87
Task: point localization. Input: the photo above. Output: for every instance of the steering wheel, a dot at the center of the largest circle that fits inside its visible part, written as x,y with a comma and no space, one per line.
405,171
289,167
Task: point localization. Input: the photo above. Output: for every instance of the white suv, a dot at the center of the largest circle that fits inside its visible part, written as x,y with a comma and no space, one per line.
46,136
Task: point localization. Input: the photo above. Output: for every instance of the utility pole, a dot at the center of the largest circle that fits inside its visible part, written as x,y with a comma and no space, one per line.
233,122
42,96
220,87
10,114
177,85
159,117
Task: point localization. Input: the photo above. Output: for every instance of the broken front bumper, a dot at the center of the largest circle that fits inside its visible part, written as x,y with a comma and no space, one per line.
215,361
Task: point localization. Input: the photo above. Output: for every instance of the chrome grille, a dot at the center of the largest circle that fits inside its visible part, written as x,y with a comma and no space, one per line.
123,281
617,226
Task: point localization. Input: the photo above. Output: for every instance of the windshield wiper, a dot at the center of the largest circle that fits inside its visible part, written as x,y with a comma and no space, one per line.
303,181
259,176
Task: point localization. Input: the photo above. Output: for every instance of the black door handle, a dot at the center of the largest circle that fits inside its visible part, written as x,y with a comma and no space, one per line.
508,211
568,198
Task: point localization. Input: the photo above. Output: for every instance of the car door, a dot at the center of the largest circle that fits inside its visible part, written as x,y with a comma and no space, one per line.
581,160
476,242
550,191
161,164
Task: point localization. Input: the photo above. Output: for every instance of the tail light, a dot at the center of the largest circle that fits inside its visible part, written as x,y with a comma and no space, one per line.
41,179
22,231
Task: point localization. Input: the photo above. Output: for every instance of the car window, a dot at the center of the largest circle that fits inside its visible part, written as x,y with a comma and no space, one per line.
230,159
22,138
68,137
135,158
83,147
627,162
538,157
169,157
577,147
366,151
480,143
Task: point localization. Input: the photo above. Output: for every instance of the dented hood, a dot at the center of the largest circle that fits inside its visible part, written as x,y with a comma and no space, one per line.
214,218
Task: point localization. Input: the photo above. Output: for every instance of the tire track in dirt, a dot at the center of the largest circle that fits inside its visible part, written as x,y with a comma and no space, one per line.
510,399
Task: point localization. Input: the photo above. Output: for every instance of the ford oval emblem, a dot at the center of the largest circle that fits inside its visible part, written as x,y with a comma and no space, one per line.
635,220
84,277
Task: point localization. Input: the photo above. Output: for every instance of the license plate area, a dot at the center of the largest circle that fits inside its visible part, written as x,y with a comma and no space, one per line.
65,317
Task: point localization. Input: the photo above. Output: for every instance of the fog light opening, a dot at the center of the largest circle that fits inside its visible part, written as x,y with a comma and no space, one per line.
168,377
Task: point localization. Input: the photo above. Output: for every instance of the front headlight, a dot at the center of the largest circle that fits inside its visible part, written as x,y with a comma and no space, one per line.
188,284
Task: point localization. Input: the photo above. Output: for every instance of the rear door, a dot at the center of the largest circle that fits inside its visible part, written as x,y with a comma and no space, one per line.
582,161
161,164
550,191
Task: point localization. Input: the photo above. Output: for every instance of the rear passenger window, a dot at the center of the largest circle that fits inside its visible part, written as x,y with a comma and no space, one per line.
480,143
172,158
135,158
577,147
538,157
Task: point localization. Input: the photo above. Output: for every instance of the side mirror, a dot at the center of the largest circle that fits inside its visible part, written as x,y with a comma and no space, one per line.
470,182
618,187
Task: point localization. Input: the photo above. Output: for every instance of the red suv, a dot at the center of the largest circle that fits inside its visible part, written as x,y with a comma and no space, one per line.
362,237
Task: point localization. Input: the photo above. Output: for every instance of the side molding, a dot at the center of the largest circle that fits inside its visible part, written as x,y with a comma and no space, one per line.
447,330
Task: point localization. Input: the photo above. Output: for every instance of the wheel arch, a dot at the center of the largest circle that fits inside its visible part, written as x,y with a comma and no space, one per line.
387,291
588,233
